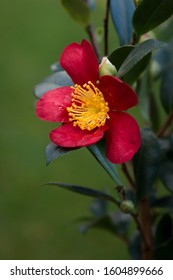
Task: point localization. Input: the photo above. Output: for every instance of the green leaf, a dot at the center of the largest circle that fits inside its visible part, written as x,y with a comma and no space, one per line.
78,10
119,55
53,151
137,54
60,78
146,163
85,191
42,88
56,80
99,152
117,58
151,13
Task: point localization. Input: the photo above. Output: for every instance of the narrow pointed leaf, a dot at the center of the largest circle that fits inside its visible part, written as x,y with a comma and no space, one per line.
146,163
136,55
53,151
99,152
121,13
85,191
55,80
151,13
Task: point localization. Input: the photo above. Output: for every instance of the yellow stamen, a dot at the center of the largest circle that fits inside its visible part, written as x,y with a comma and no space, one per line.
89,108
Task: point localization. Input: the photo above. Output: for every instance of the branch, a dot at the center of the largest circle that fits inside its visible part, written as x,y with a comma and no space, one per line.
127,174
91,34
166,125
106,21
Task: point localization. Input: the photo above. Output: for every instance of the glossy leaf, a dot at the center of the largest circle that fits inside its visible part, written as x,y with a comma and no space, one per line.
146,163
136,55
117,58
58,79
119,55
42,88
85,191
121,13
53,151
78,10
99,152
151,13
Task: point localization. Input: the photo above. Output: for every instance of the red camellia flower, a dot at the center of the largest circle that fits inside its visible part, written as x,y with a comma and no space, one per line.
94,106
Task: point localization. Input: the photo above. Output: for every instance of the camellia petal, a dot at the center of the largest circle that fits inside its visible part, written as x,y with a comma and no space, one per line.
117,93
122,138
70,136
52,106
80,62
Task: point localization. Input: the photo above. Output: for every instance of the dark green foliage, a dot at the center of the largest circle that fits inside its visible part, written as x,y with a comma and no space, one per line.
137,55
55,80
53,152
85,191
146,163
99,152
150,13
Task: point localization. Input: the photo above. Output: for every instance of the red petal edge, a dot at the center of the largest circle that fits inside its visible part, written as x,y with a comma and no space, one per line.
70,136
119,95
52,105
80,62
122,138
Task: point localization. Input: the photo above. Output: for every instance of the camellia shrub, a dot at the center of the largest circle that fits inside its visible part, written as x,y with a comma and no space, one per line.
90,92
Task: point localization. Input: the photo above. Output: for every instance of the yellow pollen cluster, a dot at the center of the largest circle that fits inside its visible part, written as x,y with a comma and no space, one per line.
89,108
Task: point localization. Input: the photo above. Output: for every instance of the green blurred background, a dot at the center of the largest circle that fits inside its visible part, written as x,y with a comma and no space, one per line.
39,222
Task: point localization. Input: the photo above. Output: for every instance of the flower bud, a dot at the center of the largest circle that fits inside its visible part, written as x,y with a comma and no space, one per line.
127,206
107,68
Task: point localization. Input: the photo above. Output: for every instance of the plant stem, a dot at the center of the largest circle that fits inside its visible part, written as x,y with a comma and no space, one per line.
166,125
89,29
127,174
145,219
106,21
144,227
